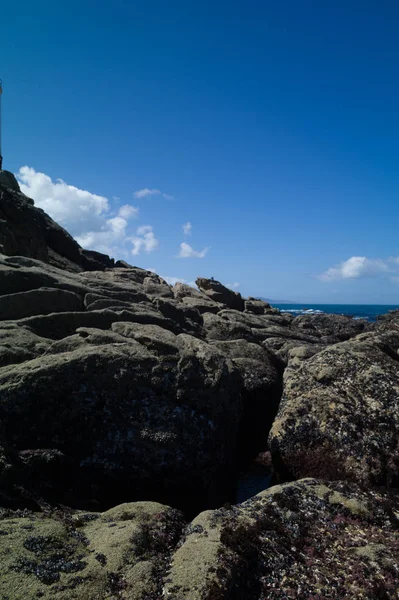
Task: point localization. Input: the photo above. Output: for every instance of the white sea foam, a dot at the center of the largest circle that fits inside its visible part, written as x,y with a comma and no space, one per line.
303,311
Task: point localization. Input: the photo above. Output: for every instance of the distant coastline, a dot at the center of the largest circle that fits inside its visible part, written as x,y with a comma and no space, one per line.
370,312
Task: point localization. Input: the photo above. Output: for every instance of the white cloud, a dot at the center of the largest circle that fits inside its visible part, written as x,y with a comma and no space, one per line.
146,192
233,286
187,227
186,251
173,280
127,211
70,206
144,240
356,267
85,215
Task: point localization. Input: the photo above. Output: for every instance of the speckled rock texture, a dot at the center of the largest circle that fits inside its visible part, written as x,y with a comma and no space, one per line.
304,540
118,554
339,414
307,540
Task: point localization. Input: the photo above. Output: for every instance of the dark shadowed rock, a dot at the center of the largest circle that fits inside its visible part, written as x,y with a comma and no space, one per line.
98,260
192,297
258,307
261,392
219,293
9,181
155,286
218,328
130,416
18,344
187,317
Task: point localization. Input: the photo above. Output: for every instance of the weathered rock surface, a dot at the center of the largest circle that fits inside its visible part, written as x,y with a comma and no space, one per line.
388,322
122,553
131,415
28,231
111,393
339,414
330,328
219,293
307,539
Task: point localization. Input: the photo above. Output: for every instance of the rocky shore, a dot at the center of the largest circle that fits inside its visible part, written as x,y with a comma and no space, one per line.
129,408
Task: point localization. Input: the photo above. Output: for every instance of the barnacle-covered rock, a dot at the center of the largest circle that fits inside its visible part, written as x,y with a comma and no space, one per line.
339,414
302,540
120,553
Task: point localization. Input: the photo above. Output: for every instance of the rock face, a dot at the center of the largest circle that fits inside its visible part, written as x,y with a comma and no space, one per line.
219,293
339,415
117,397
27,231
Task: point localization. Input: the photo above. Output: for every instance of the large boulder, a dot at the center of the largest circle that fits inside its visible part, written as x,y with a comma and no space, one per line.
387,322
132,415
307,539
330,328
339,414
219,293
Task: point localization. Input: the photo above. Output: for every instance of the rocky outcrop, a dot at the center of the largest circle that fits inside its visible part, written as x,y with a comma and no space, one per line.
28,231
329,328
339,414
219,293
113,387
126,402
388,322
110,392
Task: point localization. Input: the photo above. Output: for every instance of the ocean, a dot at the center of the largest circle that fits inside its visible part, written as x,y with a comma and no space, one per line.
357,311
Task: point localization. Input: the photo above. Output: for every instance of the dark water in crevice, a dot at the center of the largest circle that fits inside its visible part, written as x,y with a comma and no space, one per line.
253,481
255,478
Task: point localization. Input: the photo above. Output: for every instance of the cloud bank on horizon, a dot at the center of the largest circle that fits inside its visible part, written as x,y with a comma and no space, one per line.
360,267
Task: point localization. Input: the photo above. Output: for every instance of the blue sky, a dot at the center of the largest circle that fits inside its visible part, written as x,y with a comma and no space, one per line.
271,127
